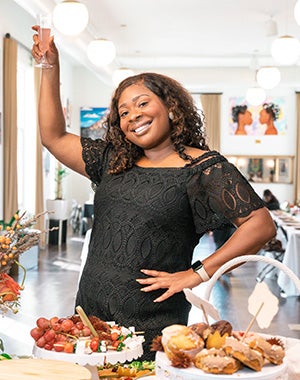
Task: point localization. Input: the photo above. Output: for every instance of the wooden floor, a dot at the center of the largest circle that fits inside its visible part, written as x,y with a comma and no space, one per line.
50,290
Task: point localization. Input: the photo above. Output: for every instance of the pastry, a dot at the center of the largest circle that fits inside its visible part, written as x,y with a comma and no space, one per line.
274,353
216,361
219,331
202,329
181,343
241,351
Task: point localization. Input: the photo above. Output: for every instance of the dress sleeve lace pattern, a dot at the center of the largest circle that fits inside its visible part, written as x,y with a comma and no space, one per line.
218,192
94,154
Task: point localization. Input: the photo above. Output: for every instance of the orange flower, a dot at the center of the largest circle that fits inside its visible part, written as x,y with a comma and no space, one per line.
9,288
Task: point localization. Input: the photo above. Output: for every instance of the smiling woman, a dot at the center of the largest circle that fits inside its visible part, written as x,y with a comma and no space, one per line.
159,188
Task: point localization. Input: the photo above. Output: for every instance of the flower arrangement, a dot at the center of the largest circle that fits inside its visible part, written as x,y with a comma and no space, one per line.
16,237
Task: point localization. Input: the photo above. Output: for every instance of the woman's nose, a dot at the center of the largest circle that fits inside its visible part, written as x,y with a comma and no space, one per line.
135,115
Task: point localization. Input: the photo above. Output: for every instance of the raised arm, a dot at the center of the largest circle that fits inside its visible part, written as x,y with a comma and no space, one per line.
66,147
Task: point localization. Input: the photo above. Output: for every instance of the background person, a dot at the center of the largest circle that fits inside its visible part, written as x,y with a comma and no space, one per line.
271,202
158,190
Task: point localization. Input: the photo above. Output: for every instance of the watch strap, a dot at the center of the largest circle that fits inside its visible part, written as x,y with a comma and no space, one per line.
200,270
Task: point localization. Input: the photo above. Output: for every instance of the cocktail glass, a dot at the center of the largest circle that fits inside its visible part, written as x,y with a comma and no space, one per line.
44,23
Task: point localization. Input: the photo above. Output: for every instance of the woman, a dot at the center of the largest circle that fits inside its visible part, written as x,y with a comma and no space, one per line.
158,190
271,202
242,116
268,115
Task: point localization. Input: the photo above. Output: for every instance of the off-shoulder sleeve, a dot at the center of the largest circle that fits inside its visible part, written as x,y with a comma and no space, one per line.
219,193
94,154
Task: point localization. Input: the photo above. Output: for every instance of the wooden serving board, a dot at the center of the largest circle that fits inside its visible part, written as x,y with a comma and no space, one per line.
42,369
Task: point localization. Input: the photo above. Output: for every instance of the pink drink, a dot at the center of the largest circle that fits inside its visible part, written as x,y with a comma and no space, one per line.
44,36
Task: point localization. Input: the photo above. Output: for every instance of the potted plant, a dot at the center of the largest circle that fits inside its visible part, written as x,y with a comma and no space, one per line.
59,207
60,173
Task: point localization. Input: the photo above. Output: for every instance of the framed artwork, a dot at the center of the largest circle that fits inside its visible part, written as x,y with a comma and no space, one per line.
268,118
284,170
265,169
92,121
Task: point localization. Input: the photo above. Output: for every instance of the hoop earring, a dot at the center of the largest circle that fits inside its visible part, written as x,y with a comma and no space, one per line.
171,115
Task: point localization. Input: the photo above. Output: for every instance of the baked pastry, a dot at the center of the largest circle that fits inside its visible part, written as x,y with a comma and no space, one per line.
216,361
180,343
202,329
241,351
219,331
274,353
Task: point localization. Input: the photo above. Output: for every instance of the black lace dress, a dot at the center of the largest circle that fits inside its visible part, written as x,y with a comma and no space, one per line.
152,218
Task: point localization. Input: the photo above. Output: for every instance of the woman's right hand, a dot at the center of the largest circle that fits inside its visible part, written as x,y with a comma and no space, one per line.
37,54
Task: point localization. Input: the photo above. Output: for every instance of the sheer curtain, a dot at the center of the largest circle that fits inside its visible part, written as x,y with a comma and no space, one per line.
39,184
10,127
211,105
297,159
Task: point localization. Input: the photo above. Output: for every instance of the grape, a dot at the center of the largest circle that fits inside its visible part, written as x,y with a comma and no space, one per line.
43,323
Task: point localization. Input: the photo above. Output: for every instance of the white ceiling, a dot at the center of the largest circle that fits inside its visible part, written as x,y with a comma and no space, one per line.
166,34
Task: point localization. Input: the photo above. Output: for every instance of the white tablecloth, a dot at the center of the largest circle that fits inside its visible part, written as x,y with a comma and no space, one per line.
291,225
291,259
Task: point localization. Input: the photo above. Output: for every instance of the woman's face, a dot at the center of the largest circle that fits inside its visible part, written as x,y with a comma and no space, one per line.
264,117
248,118
143,117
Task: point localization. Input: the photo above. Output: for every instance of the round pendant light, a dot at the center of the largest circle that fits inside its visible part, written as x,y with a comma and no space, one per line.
255,95
286,50
268,77
101,52
297,12
70,17
121,74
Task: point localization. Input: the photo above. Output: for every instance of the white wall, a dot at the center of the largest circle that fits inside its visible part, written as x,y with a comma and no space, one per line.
88,90
82,88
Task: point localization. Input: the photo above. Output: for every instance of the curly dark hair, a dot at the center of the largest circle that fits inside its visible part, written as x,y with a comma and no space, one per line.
272,109
187,125
237,110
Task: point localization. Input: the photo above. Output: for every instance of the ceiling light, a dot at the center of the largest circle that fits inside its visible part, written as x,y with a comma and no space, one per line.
268,77
297,12
271,28
101,52
286,50
121,74
70,17
255,95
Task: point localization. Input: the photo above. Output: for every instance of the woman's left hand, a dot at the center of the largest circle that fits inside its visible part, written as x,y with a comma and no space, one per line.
173,282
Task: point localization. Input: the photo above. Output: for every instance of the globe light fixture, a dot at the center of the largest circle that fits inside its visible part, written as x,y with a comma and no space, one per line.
297,12
70,17
101,52
286,50
268,77
255,95
121,74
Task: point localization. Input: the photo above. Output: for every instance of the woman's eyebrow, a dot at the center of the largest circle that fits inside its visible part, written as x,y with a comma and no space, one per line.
133,100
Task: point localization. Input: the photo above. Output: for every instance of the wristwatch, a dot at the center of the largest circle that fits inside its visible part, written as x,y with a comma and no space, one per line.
199,269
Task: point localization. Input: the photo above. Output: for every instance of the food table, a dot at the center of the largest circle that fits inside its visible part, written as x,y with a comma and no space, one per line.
28,369
289,229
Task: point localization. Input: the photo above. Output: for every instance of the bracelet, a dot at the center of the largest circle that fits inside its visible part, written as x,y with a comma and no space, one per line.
200,270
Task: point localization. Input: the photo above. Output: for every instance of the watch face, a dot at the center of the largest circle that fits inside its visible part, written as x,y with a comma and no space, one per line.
197,265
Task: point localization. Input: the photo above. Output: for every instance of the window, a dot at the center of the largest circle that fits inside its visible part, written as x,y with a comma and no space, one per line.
26,124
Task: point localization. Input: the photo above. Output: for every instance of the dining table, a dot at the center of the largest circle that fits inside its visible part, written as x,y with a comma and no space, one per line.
288,231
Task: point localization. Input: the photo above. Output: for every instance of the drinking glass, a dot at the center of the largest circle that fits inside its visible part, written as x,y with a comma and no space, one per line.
44,23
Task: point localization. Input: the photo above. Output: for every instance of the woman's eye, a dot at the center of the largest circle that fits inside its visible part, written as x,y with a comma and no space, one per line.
143,104
123,114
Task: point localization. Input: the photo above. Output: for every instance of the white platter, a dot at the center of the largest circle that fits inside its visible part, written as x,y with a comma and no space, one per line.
92,359
164,370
